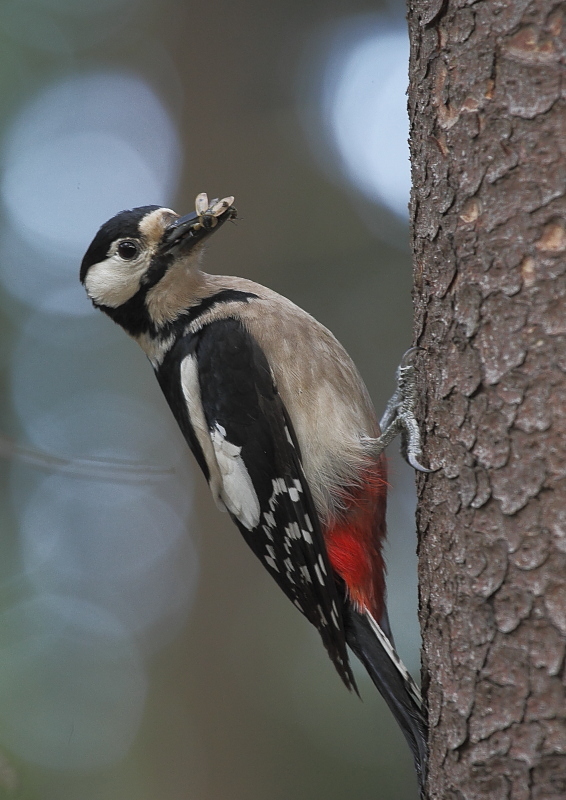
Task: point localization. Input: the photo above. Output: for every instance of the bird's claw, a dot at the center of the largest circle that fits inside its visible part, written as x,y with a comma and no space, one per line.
399,416
407,356
412,460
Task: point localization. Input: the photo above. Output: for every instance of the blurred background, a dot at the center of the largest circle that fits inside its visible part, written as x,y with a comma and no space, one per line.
144,652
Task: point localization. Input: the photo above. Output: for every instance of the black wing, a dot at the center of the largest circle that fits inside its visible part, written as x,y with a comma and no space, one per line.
241,403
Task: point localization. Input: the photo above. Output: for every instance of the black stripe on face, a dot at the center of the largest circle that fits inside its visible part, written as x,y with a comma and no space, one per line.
157,269
132,315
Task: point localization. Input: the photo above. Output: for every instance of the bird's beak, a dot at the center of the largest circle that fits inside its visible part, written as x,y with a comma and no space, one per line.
194,227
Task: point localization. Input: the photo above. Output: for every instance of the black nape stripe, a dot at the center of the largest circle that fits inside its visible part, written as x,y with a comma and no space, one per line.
133,316
225,296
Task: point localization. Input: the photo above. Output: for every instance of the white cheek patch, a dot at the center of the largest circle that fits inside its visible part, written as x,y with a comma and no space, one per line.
113,282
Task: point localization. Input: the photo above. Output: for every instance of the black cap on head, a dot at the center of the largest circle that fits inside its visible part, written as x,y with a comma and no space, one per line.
123,225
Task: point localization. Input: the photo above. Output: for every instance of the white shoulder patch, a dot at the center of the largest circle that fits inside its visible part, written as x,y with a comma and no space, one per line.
238,491
191,393
229,481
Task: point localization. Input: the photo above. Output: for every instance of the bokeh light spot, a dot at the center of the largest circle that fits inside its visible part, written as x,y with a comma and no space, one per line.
119,546
364,108
83,8
63,187
82,151
72,684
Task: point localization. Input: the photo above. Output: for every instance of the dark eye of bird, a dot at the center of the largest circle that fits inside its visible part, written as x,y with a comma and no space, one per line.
128,249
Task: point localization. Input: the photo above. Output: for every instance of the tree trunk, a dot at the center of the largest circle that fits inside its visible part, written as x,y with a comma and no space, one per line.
488,147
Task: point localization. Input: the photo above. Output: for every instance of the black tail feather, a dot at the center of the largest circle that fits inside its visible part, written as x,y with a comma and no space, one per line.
392,681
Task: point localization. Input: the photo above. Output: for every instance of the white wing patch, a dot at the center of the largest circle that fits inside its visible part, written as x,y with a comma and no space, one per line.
238,492
229,481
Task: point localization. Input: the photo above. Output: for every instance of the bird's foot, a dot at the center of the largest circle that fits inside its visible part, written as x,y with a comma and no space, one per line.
399,416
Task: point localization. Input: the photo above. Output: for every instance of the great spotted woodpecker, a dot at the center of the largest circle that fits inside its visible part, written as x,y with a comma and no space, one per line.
280,423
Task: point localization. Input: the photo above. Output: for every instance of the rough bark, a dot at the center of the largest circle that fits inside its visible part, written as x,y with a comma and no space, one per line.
488,141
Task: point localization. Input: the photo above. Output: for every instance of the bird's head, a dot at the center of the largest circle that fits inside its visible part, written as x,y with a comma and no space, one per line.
133,251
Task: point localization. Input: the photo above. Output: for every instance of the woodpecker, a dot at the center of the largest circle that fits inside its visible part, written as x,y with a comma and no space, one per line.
281,424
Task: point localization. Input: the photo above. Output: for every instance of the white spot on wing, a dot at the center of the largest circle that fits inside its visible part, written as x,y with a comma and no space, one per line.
293,531
267,530
278,488
322,615
271,562
306,574
307,537
319,574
